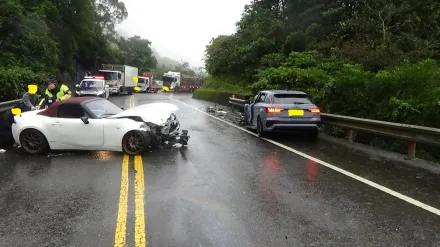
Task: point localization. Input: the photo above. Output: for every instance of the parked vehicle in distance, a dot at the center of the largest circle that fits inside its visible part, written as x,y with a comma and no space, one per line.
282,111
171,80
91,123
119,78
147,84
178,82
93,86
189,83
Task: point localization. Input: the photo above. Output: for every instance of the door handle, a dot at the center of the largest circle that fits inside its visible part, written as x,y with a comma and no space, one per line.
56,123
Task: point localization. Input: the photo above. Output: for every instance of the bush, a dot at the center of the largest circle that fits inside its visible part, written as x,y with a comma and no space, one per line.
14,81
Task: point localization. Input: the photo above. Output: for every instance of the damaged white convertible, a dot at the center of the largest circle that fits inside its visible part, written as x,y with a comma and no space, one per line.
90,123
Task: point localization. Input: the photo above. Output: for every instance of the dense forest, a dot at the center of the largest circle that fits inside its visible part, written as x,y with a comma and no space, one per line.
41,38
365,58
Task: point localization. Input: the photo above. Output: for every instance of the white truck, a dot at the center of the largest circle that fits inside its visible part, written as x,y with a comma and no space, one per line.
119,78
177,82
147,84
171,80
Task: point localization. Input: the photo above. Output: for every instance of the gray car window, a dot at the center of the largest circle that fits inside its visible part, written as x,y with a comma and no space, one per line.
268,99
291,99
262,98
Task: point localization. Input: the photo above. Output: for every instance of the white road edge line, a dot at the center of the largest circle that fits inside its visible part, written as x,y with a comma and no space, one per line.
335,168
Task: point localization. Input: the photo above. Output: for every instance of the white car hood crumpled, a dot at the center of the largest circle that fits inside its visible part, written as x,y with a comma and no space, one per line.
156,113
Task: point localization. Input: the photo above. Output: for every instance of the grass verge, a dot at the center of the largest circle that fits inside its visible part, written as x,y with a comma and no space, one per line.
218,89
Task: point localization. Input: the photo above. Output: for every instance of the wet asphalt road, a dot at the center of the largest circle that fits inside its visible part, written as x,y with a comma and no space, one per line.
227,188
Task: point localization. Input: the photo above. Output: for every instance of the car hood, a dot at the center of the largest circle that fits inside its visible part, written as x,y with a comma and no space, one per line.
91,91
156,113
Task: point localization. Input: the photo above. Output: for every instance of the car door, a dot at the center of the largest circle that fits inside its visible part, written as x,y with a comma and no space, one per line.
257,107
69,130
249,109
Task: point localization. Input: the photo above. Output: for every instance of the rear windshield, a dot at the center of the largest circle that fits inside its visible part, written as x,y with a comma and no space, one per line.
291,99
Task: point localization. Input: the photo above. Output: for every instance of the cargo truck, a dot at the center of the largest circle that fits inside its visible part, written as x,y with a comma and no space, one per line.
147,84
119,78
175,81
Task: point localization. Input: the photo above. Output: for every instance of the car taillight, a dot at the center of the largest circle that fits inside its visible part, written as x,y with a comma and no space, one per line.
274,110
315,110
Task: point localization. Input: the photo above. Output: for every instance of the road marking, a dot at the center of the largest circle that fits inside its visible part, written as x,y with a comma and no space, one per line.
121,224
139,228
131,104
335,168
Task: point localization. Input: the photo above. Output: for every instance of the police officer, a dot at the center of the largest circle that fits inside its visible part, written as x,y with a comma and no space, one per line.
53,93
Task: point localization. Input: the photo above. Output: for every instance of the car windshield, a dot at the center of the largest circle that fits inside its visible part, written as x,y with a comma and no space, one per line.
103,108
142,81
91,84
291,99
109,75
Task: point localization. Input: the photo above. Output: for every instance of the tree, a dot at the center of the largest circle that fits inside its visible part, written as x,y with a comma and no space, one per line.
138,53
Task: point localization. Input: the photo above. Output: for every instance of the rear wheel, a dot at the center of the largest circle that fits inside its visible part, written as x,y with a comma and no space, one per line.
135,142
33,141
260,129
313,135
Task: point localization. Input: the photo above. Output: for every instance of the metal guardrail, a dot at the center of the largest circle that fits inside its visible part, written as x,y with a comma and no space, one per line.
238,102
4,106
411,133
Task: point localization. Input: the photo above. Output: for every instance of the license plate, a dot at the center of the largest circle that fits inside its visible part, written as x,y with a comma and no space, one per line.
295,113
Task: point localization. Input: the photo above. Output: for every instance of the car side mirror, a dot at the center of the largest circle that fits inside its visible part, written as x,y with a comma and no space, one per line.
85,120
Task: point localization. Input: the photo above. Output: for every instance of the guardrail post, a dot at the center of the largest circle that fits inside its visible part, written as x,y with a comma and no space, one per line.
350,135
232,105
411,151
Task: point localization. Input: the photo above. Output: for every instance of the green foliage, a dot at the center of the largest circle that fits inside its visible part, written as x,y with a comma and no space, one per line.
58,37
15,80
228,84
138,53
219,88
368,59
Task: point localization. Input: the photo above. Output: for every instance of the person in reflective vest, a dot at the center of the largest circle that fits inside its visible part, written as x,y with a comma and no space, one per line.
54,93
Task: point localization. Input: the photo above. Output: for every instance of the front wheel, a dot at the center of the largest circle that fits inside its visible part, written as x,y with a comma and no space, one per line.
135,142
33,141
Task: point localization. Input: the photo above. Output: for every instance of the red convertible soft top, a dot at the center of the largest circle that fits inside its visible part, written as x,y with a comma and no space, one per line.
51,111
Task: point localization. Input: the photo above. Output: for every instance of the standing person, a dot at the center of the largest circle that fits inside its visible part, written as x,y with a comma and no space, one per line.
54,92
29,101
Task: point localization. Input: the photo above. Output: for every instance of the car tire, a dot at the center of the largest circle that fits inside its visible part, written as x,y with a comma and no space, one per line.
33,141
260,129
135,142
313,135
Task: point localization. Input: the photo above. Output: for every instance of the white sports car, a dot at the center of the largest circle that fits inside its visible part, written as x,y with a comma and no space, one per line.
90,123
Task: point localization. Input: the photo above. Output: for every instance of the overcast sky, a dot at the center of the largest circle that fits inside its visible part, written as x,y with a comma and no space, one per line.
181,29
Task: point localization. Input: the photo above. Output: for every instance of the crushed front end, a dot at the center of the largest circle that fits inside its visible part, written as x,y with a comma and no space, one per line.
169,133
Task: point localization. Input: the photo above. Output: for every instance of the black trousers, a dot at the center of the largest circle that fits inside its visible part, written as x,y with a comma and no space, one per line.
6,120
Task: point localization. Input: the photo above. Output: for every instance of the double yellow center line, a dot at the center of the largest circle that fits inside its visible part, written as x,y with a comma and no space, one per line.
139,183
